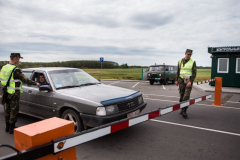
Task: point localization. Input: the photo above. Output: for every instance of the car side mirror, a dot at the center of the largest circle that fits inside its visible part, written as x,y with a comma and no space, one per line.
45,88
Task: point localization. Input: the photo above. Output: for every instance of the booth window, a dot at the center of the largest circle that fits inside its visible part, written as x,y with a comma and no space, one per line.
223,65
238,65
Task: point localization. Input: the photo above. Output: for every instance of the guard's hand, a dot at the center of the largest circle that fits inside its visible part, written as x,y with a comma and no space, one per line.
189,84
37,84
176,82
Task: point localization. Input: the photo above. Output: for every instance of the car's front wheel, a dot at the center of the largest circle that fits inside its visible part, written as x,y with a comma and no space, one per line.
72,115
151,82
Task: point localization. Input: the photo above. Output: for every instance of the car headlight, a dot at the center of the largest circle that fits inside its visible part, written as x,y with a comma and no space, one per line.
159,74
140,100
101,111
149,74
111,109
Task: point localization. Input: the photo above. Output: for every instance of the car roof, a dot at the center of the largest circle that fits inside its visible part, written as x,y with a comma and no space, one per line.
47,69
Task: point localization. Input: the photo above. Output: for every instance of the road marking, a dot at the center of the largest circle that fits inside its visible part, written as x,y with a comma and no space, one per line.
227,101
160,100
195,103
114,82
161,95
163,87
218,106
135,85
207,129
178,97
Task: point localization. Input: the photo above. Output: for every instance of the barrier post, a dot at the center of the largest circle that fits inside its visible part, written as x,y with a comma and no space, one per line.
43,132
218,92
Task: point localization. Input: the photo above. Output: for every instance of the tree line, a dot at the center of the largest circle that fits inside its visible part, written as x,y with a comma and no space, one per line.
73,64
84,64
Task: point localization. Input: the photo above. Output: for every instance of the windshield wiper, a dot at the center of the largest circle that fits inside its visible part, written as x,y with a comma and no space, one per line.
86,84
68,87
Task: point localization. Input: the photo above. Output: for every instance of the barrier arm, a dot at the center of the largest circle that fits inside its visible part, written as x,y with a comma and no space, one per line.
205,81
67,142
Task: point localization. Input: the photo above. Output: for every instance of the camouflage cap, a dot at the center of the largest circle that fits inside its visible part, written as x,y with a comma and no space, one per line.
189,51
16,55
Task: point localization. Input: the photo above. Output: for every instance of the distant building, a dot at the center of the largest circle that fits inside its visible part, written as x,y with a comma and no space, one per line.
226,64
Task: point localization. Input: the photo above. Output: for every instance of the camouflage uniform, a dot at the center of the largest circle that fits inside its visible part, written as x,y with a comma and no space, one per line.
185,91
12,105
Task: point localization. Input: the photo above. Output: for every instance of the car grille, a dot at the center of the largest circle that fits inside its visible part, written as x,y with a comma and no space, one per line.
128,105
154,75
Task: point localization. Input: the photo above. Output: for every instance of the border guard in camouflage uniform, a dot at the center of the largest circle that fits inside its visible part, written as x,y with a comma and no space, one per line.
14,89
186,74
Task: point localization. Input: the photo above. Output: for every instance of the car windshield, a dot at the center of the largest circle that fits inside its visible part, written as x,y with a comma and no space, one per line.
71,78
159,68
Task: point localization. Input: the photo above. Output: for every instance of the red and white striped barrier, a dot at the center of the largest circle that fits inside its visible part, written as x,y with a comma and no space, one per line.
205,81
88,135
64,143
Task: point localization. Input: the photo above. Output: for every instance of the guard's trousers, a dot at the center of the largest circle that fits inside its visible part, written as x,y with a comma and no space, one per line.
184,91
12,107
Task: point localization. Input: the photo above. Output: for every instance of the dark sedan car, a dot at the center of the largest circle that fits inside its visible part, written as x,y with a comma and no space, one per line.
74,95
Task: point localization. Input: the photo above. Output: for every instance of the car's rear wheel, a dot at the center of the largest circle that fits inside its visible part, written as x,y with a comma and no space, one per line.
73,116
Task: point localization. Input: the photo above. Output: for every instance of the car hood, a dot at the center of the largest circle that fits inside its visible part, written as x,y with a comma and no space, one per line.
98,93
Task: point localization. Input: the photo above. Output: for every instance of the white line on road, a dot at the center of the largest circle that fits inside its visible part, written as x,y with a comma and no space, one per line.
226,102
195,103
212,130
114,82
161,95
178,97
135,85
218,106
160,100
163,87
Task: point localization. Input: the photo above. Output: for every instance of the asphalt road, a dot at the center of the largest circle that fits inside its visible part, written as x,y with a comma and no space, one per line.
209,132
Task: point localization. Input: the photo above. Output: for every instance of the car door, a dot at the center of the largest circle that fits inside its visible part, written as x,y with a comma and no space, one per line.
171,73
23,96
166,73
39,102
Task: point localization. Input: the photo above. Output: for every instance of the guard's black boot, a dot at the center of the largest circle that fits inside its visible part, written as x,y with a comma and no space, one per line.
11,128
184,114
7,127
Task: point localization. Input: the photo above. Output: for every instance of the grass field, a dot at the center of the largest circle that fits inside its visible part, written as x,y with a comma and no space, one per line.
203,74
129,74
135,74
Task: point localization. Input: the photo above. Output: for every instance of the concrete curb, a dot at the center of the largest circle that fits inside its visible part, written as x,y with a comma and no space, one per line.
208,88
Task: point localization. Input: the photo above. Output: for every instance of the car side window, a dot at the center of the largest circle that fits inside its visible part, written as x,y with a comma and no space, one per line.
28,75
37,77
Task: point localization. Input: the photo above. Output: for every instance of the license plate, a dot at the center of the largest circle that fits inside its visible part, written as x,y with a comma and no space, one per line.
135,113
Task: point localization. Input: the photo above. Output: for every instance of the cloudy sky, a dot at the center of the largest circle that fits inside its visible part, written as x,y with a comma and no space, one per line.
136,32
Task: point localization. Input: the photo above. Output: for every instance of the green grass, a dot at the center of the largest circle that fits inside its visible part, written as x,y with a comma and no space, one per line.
203,74
135,74
123,74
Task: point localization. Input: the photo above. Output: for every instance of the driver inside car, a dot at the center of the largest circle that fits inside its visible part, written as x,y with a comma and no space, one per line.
42,80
